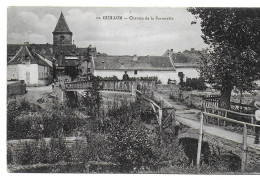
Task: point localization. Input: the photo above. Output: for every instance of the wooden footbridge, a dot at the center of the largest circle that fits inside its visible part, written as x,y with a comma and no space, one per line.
211,121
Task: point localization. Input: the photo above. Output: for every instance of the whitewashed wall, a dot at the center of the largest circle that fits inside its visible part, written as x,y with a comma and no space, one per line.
43,75
20,71
188,72
12,72
162,75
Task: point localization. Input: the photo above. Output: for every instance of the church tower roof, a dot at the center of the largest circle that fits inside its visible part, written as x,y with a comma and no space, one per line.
62,25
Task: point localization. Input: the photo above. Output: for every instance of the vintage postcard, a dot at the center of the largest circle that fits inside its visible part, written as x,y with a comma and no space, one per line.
133,90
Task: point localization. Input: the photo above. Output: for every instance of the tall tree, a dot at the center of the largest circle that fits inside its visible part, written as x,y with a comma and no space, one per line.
233,36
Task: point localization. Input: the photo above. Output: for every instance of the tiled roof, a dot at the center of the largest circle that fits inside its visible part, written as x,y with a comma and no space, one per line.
129,63
12,49
62,25
44,49
26,53
186,58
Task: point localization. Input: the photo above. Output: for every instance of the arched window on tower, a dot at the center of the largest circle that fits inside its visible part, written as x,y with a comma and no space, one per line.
62,39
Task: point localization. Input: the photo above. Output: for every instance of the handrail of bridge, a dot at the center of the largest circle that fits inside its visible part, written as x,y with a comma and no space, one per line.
111,85
159,111
244,154
114,85
229,111
147,99
229,119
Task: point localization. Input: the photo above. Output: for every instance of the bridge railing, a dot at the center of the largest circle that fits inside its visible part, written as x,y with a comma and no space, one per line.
249,118
165,115
78,85
113,85
245,126
110,85
117,85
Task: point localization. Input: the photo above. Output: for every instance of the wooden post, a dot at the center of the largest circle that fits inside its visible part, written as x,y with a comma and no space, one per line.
244,154
160,118
200,140
218,118
252,122
206,118
62,95
173,117
225,120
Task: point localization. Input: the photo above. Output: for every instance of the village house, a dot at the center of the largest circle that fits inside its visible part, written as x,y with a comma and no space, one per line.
68,61
164,67
34,69
65,56
136,66
187,61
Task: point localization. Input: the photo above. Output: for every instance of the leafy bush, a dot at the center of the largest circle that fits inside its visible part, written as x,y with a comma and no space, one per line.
58,151
130,147
195,84
26,155
19,117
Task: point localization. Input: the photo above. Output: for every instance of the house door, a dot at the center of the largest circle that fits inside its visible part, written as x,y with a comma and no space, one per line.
27,78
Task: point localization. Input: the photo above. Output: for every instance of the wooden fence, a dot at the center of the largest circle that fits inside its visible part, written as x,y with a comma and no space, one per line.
212,101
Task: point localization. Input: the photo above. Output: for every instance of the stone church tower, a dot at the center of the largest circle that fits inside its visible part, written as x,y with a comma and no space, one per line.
62,41
62,34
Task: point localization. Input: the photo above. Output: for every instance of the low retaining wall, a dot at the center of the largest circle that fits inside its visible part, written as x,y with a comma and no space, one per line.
16,88
253,155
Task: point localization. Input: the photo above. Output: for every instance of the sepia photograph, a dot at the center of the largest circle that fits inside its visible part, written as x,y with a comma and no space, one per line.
133,90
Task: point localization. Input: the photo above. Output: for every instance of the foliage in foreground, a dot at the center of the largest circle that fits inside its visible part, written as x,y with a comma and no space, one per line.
121,139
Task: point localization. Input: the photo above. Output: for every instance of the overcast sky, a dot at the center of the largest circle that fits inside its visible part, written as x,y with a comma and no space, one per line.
114,37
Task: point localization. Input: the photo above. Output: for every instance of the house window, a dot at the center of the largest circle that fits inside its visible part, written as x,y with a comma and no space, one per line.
88,70
135,72
61,53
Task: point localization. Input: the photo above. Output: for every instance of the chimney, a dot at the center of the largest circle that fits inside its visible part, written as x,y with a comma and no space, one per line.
171,50
135,57
192,49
